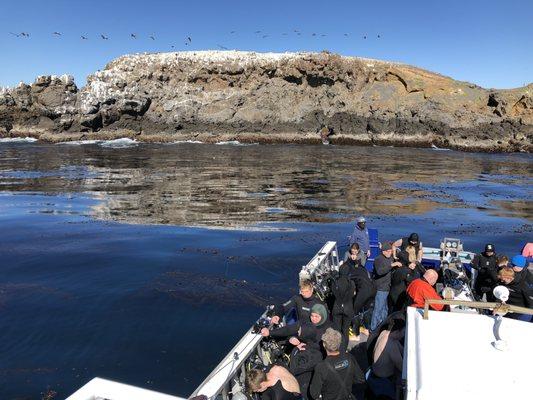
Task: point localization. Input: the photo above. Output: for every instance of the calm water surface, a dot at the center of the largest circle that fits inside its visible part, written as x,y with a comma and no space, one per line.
145,264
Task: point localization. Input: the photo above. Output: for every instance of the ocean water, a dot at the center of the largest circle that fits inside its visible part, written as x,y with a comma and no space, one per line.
145,263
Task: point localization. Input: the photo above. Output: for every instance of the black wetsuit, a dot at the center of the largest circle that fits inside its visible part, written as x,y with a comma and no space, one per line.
303,361
343,292
334,377
365,291
487,277
302,306
278,392
400,279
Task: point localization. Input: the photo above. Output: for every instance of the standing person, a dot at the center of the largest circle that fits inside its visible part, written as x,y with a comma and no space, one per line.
485,263
407,243
400,279
365,292
381,275
337,373
343,290
361,237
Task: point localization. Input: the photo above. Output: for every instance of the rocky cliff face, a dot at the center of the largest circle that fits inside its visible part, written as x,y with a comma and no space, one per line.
213,96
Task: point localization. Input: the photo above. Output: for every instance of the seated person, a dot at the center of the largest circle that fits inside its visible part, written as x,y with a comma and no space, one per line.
312,329
386,371
306,337
519,293
422,289
275,384
334,377
301,302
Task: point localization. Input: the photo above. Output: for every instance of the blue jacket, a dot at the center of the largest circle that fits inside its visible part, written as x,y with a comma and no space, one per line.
360,237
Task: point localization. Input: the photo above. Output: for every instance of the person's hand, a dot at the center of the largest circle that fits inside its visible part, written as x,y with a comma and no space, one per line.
412,265
275,320
294,341
368,253
265,332
396,264
301,346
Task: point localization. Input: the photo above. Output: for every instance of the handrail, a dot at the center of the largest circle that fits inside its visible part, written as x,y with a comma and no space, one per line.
499,308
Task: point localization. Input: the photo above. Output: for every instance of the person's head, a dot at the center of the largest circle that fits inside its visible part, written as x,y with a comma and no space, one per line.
361,222
506,275
413,239
519,262
503,261
354,251
431,276
331,339
489,249
306,289
319,314
256,380
386,249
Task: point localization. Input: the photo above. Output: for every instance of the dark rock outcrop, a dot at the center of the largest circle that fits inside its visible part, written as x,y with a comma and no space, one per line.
228,95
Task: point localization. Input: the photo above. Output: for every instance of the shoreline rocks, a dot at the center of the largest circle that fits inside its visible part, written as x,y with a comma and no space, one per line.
215,96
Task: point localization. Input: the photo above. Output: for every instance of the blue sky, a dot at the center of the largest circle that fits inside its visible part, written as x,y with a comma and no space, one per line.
486,42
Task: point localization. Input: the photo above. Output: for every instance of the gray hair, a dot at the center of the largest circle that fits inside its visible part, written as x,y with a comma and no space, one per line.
332,340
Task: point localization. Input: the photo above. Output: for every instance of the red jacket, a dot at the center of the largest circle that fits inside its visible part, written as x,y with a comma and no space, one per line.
419,290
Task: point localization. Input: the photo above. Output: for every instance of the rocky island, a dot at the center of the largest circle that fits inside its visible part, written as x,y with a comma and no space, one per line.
213,96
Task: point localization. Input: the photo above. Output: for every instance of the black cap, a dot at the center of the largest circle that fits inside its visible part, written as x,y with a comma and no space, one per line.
386,246
489,247
413,237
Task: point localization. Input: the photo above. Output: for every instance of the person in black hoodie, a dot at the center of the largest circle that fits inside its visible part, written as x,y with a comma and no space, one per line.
486,265
302,302
306,336
342,312
401,278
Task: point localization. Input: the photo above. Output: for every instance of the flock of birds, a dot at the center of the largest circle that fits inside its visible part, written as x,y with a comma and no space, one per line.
188,39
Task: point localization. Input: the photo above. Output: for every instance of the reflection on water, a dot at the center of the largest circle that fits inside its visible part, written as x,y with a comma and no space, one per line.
228,186
82,297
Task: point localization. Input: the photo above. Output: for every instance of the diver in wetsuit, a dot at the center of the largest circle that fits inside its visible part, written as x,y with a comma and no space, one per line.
335,376
306,337
302,302
343,290
277,383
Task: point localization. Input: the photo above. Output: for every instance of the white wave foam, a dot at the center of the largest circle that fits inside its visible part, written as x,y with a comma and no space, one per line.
81,142
235,143
119,143
438,148
18,140
186,141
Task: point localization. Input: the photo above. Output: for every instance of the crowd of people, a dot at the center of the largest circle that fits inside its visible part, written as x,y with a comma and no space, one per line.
372,303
